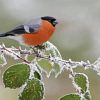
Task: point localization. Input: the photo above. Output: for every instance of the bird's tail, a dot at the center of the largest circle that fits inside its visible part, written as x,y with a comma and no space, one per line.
6,34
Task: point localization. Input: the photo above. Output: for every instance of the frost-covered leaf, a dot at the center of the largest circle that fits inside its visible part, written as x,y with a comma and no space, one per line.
52,50
82,81
49,49
56,69
87,95
34,90
16,75
45,65
71,97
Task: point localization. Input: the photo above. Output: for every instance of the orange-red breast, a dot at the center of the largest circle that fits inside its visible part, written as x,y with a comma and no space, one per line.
35,32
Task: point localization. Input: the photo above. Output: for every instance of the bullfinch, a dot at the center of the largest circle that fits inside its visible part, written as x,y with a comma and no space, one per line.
35,32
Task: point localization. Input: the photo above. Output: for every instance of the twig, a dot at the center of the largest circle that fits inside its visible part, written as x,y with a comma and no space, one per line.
5,49
68,64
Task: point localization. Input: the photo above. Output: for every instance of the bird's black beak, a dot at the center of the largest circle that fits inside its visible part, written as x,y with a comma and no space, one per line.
55,22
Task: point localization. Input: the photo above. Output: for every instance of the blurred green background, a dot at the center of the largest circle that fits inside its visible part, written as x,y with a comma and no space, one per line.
77,37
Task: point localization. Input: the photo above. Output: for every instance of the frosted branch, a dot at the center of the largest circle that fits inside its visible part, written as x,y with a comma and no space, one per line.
67,64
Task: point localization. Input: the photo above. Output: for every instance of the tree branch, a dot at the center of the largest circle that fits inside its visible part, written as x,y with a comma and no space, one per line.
68,64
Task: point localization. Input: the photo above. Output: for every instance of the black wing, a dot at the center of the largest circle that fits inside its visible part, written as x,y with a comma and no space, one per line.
18,30
30,27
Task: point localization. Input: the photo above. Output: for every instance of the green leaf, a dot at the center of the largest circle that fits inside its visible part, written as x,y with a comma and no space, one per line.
16,75
71,97
45,65
37,75
87,96
82,81
34,90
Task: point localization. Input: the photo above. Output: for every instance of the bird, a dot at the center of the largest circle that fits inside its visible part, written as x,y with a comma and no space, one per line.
35,32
